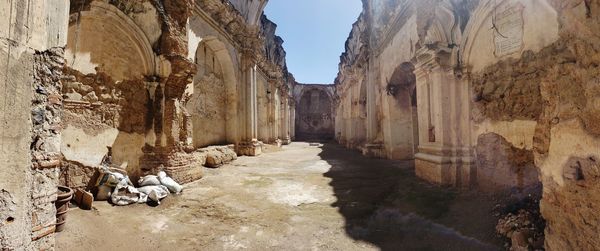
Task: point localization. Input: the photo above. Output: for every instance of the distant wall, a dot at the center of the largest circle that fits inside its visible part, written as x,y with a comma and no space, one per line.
314,112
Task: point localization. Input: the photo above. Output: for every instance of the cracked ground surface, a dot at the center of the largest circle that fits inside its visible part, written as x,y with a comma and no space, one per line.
302,197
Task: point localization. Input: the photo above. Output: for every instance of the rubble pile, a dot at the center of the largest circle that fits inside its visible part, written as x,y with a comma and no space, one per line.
216,156
523,230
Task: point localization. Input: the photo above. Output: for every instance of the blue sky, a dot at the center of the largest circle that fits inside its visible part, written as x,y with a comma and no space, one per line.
314,32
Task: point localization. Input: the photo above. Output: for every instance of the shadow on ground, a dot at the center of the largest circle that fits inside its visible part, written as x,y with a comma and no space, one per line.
385,204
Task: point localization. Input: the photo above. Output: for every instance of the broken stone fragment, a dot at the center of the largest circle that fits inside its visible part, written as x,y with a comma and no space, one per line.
72,85
38,115
91,97
85,89
519,241
73,96
217,157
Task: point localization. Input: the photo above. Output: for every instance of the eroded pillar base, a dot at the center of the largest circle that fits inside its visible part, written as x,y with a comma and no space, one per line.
286,141
181,166
445,167
252,148
374,150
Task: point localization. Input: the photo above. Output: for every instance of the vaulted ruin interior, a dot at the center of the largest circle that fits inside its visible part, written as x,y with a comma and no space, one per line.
494,97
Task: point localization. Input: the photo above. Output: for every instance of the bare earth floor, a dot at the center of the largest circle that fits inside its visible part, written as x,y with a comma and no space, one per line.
302,197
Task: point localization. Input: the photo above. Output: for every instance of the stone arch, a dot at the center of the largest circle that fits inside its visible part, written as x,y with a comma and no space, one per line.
98,38
402,112
485,43
444,28
213,96
110,65
308,88
478,42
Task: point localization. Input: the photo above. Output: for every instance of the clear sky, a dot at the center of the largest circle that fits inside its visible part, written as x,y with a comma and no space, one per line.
314,32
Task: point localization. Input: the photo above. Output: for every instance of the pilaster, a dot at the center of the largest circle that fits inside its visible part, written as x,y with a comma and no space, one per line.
249,144
444,153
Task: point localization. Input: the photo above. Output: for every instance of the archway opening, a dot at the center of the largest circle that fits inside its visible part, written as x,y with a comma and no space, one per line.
403,114
106,97
211,102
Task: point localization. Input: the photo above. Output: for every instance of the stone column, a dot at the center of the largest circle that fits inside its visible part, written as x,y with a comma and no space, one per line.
171,151
373,146
444,153
292,120
277,117
283,131
348,117
249,145
272,109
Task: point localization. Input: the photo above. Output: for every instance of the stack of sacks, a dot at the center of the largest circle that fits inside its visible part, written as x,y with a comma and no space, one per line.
121,191
158,187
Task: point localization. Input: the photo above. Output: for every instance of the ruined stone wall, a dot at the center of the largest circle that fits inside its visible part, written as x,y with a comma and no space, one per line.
89,80
251,42
350,88
31,47
208,103
109,95
552,87
508,107
314,112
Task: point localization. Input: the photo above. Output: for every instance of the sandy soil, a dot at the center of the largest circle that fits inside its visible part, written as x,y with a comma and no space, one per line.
300,198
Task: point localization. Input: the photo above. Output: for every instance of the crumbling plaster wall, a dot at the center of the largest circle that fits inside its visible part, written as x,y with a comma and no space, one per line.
516,104
251,10
397,117
202,34
208,102
314,112
351,88
108,91
507,103
539,97
31,48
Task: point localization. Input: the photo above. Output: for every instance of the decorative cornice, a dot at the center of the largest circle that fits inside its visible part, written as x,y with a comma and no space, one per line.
244,36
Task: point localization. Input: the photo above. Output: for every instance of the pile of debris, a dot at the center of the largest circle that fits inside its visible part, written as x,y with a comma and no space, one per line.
114,185
522,231
216,156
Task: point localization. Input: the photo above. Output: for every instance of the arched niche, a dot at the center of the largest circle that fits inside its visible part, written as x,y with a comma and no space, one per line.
314,119
402,131
105,39
213,101
108,59
443,29
499,29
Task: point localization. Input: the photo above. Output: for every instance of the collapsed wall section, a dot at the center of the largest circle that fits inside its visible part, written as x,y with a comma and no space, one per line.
31,48
500,109
555,87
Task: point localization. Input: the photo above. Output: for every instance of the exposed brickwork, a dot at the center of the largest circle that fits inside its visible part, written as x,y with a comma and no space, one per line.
45,147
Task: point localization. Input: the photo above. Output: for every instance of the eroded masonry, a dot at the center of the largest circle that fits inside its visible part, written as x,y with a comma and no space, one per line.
484,95
489,95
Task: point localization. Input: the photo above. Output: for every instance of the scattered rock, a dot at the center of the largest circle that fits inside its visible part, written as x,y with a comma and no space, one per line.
520,229
217,156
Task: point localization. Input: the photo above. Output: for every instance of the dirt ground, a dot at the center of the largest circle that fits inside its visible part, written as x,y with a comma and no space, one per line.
302,197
